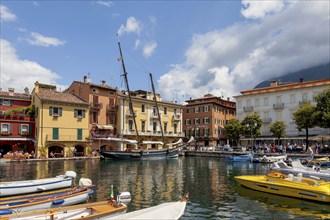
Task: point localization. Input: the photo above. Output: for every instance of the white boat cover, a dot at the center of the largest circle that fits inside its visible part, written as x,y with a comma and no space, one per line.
168,210
153,142
175,143
120,140
191,140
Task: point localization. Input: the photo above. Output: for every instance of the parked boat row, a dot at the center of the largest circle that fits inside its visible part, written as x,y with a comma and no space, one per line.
62,203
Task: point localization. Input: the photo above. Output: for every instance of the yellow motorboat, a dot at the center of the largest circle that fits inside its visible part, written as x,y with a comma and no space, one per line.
288,185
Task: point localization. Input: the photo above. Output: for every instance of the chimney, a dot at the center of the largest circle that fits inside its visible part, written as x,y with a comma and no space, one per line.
274,83
301,80
36,87
26,91
85,79
11,91
103,82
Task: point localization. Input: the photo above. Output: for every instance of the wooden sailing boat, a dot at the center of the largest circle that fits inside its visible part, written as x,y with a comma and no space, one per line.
140,153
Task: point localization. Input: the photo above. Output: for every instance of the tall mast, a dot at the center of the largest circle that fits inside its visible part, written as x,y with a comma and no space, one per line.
160,121
129,93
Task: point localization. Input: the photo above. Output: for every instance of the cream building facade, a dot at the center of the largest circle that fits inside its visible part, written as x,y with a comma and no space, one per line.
278,102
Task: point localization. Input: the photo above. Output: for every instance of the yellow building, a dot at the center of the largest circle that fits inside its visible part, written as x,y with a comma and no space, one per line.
147,122
61,123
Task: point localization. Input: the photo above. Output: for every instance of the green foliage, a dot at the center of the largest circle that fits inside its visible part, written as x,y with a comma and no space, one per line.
304,117
322,109
30,110
278,129
233,130
252,124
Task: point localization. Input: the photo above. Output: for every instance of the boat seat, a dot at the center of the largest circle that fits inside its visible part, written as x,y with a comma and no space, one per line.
290,177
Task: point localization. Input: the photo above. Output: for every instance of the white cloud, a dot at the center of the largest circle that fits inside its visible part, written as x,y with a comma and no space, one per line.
241,56
132,26
105,3
137,44
258,9
18,73
39,40
6,14
149,48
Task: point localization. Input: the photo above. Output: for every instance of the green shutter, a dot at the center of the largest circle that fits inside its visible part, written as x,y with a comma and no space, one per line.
60,111
19,129
75,113
1,101
51,111
55,133
30,129
79,134
10,128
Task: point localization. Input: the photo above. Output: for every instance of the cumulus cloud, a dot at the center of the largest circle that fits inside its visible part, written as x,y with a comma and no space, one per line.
132,26
149,48
105,3
13,68
258,9
6,14
241,56
40,40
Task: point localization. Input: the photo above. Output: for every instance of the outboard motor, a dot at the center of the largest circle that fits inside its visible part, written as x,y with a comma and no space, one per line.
124,197
71,174
85,182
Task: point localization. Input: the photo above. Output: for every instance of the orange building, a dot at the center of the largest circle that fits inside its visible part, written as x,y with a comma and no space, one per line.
205,118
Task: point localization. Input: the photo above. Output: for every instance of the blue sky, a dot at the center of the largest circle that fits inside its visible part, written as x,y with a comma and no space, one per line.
191,47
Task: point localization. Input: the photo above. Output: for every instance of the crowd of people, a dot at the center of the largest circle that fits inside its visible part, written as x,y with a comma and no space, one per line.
17,155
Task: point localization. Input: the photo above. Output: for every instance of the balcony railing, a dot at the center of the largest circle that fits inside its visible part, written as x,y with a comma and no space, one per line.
154,133
112,108
248,108
278,106
176,117
154,116
267,120
130,113
96,105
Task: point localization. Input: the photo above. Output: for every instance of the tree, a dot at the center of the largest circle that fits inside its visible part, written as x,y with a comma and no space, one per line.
322,109
278,130
304,118
251,125
233,130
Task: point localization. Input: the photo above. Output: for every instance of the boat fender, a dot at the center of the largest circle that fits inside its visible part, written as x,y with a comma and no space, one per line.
71,174
85,182
5,212
91,192
58,202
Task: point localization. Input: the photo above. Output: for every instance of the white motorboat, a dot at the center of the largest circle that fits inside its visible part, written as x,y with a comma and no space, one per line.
297,167
269,159
38,185
167,210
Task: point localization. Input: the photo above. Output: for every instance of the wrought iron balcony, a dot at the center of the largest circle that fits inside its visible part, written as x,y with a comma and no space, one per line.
96,106
248,108
176,117
278,106
112,108
154,115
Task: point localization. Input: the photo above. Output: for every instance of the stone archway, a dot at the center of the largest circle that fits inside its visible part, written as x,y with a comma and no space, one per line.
55,151
79,151
5,149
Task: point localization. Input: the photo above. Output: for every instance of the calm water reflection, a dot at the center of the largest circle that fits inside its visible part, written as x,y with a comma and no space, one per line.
214,194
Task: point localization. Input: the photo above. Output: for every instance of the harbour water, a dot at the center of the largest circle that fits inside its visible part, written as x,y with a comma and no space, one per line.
213,191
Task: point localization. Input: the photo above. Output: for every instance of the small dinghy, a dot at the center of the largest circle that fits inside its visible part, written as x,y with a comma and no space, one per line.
39,185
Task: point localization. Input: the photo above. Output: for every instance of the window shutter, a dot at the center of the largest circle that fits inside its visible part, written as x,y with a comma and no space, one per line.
10,129
30,129
50,111
83,113
19,129
60,111
75,113
1,101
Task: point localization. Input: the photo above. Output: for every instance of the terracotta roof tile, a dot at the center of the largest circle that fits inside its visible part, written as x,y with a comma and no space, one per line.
15,95
51,95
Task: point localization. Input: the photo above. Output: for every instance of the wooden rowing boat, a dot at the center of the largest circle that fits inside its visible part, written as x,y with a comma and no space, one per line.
88,211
